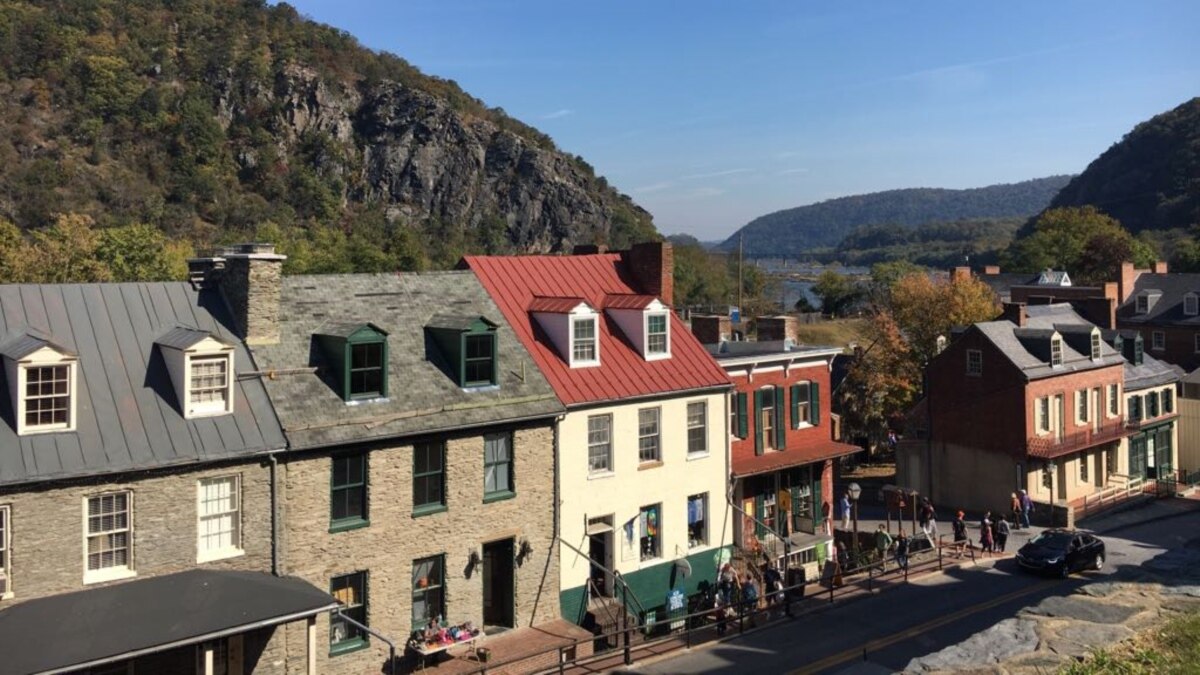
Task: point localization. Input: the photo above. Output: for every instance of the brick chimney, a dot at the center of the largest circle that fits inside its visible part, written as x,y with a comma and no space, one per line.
778,328
1160,267
1125,282
652,266
251,283
1015,312
711,329
589,249
991,269
960,274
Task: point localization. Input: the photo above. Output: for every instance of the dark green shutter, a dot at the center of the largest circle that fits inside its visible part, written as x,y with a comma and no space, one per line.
814,403
1168,401
1152,399
780,424
795,393
742,427
818,506
1135,408
758,432
759,508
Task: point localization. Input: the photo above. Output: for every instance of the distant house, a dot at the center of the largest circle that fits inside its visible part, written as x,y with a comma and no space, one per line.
1003,283
1165,308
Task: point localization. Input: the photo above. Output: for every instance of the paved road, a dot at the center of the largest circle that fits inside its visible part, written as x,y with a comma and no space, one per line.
884,632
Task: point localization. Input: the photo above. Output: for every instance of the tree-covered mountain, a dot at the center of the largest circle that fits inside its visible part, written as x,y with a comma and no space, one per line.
938,245
214,120
795,231
1150,179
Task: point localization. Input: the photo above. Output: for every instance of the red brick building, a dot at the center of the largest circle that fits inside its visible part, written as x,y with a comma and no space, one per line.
781,447
1165,309
1018,403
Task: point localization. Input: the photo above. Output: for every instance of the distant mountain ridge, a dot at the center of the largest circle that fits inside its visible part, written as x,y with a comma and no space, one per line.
795,231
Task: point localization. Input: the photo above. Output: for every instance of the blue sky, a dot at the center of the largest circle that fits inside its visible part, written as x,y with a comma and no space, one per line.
711,112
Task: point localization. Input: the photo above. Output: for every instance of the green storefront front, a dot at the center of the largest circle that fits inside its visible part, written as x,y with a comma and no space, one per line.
1151,452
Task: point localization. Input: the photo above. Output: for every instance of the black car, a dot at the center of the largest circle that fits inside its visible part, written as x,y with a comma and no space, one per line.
1061,552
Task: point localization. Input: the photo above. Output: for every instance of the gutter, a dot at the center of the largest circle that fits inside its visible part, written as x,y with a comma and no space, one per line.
274,513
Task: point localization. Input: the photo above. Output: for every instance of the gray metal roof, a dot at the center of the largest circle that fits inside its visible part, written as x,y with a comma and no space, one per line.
29,342
1028,348
456,321
184,337
422,396
1166,292
728,349
127,414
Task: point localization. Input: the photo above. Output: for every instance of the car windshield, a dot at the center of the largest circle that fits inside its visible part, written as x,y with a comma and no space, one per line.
1052,539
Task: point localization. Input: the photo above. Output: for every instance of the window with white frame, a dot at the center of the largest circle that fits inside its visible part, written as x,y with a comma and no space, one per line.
697,518
1043,414
5,562
650,525
109,519
209,384
600,444
1142,304
219,513
649,436
583,341
697,427
1158,340
1056,351
1114,400
657,336
1081,401
46,397
766,416
1190,305
974,362
1095,346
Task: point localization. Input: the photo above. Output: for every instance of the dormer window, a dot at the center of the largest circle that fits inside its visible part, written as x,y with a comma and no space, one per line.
357,357
42,379
1138,350
657,336
1056,351
1191,304
572,325
468,344
583,341
645,322
1142,304
201,368
1095,345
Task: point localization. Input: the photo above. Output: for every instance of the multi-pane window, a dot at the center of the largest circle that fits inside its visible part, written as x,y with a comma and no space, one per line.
5,572
348,490
1095,346
109,530
1083,467
479,362
497,464
650,526
697,427
366,369
1158,340
733,413
649,436
1081,400
428,591
656,334
1190,305
429,476
974,362
47,397
351,591
583,343
1142,304
766,416
1056,351
209,388
1168,401
1043,416
600,443
1110,462
800,404
1047,476
219,512
1114,400
697,519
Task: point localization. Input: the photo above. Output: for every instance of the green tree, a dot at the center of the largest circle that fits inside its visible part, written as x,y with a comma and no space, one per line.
141,252
66,252
924,308
1081,240
837,292
14,254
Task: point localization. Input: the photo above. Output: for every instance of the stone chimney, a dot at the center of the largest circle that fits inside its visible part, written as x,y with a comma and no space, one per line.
652,266
1015,312
1125,282
778,328
960,274
991,269
589,249
251,283
711,329
1160,267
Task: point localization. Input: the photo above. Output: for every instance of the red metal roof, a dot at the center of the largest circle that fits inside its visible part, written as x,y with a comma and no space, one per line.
514,281
626,301
554,305
774,461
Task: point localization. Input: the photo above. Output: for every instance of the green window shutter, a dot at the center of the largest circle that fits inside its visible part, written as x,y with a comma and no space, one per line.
818,508
795,406
780,425
1135,408
814,403
742,427
759,508
758,434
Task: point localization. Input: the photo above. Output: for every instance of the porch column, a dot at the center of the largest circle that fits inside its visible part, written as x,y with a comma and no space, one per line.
312,645
208,658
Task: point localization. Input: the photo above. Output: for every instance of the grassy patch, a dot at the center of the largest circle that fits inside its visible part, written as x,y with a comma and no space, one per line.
1173,647
837,332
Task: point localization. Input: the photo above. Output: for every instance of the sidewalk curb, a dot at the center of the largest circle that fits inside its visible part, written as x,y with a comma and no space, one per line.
1138,523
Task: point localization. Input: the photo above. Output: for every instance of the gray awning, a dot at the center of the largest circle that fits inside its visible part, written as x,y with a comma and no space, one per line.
113,623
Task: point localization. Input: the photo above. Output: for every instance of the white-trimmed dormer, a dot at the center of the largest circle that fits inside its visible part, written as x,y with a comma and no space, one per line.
1191,304
646,322
573,327
42,381
1144,301
201,369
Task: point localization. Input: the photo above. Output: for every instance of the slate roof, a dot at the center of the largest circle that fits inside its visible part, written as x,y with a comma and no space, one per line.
1028,348
515,281
423,397
1001,284
1151,373
148,614
1168,308
182,338
127,415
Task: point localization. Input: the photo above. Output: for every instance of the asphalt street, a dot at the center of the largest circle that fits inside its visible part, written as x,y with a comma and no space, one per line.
882,633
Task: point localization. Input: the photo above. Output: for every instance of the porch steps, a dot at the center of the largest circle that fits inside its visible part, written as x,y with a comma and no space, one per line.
605,614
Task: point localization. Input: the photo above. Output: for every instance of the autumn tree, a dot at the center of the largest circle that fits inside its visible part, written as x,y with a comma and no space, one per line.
924,307
141,252
1081,240
881,383
65,252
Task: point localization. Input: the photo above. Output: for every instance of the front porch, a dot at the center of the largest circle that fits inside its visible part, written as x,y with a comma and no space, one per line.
519,650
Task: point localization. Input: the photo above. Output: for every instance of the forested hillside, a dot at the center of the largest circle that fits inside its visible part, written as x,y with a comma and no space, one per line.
216,120
795,231
938,245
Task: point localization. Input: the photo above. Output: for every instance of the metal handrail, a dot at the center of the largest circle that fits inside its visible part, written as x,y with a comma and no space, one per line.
367,629
615,574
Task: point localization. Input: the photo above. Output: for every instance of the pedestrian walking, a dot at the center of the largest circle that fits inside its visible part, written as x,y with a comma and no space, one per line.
845,506
1026,508
960,534
1001,534
986,543
928,519
727,584
883,542
1015,507
902,550
750,599
773,581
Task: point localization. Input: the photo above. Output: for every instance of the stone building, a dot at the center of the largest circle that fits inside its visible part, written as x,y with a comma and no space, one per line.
419,480
136,488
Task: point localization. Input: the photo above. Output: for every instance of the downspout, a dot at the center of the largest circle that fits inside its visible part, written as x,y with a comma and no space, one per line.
557,503
274,514
929,437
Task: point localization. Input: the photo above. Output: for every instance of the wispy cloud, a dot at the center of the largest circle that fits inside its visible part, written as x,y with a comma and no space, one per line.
787,154
714,174
562,112
786,172
654,187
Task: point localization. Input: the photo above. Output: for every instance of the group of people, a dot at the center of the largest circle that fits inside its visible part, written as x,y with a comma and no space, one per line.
734,595
899,546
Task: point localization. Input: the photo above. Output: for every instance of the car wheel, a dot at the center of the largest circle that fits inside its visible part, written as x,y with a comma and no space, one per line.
1064,570
1099,563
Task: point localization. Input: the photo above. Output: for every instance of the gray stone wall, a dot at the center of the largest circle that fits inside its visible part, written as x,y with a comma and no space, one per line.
47,535
251,285
395,538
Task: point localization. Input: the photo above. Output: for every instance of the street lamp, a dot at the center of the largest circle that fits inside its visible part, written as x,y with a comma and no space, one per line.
855,492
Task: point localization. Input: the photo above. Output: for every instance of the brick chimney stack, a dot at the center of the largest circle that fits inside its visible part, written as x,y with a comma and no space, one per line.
991,269
1125,282
711,329
960,274
1160,267
1015,312
251,283
652,266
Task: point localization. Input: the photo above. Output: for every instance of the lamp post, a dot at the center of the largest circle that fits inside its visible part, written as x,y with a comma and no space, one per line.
855,492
